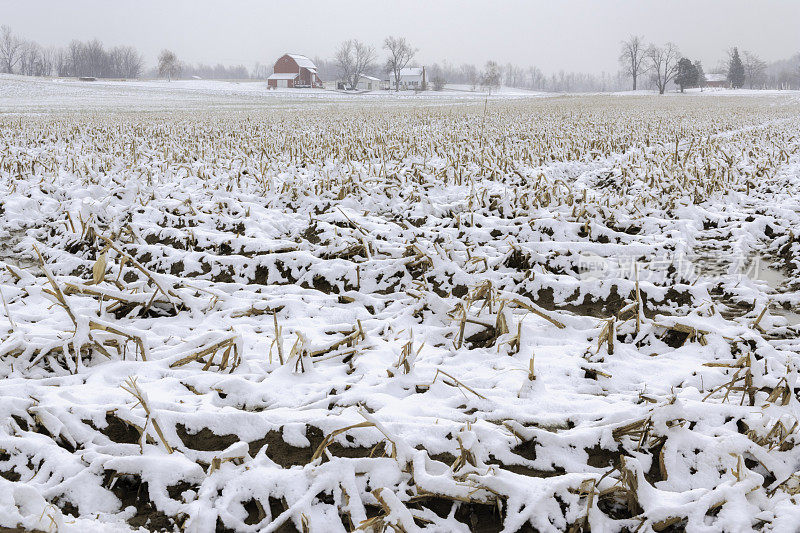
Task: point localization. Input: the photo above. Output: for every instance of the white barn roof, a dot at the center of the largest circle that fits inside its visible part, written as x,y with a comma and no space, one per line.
303,61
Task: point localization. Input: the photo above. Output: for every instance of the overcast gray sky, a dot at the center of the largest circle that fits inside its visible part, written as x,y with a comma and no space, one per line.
580,35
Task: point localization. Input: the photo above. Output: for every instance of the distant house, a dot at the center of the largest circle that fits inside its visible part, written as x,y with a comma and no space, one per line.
412,78
294,70
716,80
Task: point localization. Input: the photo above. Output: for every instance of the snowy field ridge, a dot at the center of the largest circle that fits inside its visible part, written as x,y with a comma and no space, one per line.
540,314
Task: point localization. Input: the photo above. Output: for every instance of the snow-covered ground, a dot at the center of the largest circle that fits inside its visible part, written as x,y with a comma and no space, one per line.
20,94
790,94
224,309
25,95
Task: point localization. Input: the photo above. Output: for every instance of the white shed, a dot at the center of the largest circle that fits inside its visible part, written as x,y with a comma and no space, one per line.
368,83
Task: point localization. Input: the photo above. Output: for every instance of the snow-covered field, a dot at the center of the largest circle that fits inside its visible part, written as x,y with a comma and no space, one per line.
46,95
225,310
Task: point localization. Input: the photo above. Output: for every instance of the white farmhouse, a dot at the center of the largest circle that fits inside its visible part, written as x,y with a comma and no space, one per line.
413,78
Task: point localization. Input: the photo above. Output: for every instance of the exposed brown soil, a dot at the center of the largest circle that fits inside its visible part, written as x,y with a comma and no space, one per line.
131,491
278,450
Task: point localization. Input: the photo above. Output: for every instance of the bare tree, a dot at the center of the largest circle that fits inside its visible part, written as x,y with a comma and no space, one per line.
125,62
97,62
437,76
513,75
132,62
632,57
168,64
663,63
400,55
364,59
754,68
344,61
74,58
33,61
353,58
48,60
115,62
10,49
87,59
469,74
60,63
28,58
263,71
797,74
490,78
536,79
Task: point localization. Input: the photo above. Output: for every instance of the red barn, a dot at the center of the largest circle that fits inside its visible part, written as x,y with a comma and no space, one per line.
294,70
717,80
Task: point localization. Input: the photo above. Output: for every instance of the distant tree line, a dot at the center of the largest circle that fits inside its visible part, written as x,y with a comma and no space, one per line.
642,66
493,73
354,58
666,64
218,71
78,58
93,59
645,65
783,74
179,70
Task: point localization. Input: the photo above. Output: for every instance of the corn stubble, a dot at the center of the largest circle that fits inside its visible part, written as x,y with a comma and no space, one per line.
334,312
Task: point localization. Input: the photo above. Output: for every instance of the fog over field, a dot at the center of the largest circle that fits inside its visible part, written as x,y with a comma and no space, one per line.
580,36
534,45
382,278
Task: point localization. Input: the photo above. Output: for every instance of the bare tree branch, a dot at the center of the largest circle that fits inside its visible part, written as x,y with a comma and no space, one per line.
400,55
10,49
353,58
754,68
663,63
168,64
632,56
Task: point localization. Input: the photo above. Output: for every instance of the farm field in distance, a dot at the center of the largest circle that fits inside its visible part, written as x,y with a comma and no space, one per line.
236,312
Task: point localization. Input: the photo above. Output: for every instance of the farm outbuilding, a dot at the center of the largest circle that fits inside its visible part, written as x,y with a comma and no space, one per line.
716,80
368,83
365,83
294,71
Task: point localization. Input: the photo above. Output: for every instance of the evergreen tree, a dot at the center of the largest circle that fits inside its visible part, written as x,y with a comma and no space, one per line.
687,74
701,74
736,70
